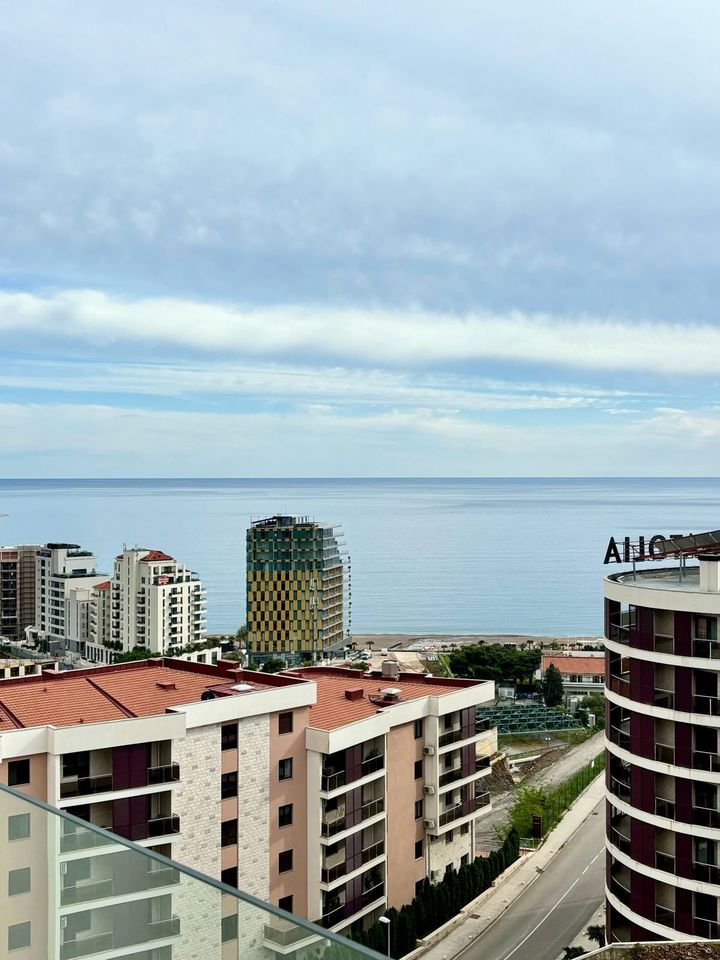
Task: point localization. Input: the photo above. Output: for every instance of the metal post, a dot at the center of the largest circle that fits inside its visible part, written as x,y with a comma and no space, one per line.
386,921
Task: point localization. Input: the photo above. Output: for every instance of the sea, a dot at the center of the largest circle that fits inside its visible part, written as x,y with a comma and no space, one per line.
427,556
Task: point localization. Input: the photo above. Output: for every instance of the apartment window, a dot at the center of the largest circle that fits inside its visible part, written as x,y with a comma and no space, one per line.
418,729
418,849
229,736
229,928
418,769
19,826
285,769
448,721
76,764
285,903
464,860
228,833
449,836
18,772
285,723
419,886
19,936
419,809
18,881
229,876
464,829
285,861
285,815
229,785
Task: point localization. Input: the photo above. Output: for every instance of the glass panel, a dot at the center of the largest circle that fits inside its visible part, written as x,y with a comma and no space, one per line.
94,894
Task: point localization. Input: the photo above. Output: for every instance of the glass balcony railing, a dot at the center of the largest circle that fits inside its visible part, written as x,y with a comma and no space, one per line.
119,899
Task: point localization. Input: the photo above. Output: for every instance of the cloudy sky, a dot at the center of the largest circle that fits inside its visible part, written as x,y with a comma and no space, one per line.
309,238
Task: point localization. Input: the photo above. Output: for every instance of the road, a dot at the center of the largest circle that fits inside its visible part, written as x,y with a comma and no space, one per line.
555,907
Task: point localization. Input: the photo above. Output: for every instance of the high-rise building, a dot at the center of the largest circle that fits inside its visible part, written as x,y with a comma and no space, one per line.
64,577
662,757
17,591
152,602
295,587
326,792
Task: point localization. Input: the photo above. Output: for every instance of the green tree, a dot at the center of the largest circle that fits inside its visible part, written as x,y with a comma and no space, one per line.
273,665
552,687
137,653
241,635
596,932
572,952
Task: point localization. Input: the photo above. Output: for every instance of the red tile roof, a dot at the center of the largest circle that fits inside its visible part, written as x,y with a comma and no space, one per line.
334,710
105,585
144,688
155,556
576,665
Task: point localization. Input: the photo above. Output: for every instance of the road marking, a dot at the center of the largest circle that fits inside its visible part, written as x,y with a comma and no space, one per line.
552,908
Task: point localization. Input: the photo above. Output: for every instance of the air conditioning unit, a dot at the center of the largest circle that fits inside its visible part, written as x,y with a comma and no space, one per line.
429,790
429,824
429,751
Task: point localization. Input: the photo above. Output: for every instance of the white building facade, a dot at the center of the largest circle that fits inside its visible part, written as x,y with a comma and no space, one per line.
152,602
64,577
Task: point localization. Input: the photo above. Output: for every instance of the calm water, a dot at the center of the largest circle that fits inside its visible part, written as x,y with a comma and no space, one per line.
428,556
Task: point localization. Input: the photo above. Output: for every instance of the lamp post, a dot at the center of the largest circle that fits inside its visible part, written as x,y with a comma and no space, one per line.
386,921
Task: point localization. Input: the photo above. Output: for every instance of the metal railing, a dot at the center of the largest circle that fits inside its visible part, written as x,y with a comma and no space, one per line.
621,892
662,643
621,738
665,862
707,649
619,788
84,786
704,760
705,817
620,685
330,827
330,874
82,892
664,753
664,698
162,826
619,633
707,872
664,808
665,916
708,929
620,841
166,773
339,778
706,706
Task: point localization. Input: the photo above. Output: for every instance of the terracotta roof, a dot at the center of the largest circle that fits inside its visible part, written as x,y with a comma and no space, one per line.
143,688
105,585
576,665
155,556
334,710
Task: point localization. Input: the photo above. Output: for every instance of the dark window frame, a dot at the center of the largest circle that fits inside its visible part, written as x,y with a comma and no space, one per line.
285,723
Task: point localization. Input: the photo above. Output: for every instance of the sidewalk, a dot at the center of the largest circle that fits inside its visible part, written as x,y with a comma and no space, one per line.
489,906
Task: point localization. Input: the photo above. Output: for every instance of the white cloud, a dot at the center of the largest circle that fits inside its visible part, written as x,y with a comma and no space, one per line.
364,335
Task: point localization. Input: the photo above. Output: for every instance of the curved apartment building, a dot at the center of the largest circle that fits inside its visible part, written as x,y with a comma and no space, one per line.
663,767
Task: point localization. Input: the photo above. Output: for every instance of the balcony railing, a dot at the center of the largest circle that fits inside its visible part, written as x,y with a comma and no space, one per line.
330,874
708,929
620,891
663,643
705,817
620,841
482,799
703,760
136,877
460,733
84,786
619,788
708,649
620,685
707,706
339,778
707,872
163,826
664,753
665,916
665,862
79,839
167,773
619,633
664,698
621,738
371,809
664,808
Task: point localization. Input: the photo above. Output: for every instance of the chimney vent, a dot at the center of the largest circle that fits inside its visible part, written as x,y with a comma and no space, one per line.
166,684
354,693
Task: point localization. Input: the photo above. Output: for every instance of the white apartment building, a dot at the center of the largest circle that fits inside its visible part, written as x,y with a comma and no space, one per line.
152,602
64,577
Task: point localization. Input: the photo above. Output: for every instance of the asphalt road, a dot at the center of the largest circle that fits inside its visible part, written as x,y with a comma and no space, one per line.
555,907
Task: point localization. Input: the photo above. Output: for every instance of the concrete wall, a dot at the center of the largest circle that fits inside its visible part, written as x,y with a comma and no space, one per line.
403,870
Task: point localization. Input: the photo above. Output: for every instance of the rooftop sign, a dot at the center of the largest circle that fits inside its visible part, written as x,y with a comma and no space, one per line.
660,547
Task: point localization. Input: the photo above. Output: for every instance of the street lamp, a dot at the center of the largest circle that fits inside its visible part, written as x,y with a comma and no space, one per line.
387,922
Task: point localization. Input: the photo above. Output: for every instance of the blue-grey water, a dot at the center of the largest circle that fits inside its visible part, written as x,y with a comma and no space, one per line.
428,555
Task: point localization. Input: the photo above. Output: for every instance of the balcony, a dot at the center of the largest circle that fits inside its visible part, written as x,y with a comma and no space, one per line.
335,823
619,840
664,698
621,889
84,892
664,753
664,808
708,929
166,773
706,706
707,649
706,817
663,643
665,862
702,760
620,633
85,786
620,789
333,779
333,872
665,916
163,826
707,872
620,684
620,737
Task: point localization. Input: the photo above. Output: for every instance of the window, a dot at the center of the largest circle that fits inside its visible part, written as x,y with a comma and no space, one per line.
419,809
229,736
418,769
228,833
19,826
18,881
285,903
448,721
418,729
285,723
449,836
464,829
228,785
18,772
419,886
229,928
19,936
285,861
418,849
285,769
229,876
285,815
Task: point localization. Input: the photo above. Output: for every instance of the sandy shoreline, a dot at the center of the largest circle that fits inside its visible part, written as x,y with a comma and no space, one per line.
403,640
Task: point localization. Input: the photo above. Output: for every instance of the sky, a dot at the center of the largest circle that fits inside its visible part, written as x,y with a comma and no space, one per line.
352,239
